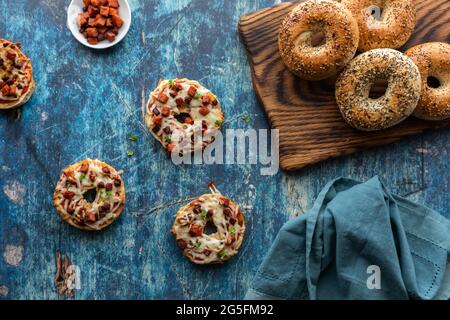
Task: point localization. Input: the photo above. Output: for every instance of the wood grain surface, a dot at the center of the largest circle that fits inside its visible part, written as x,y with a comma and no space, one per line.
311,126
88,103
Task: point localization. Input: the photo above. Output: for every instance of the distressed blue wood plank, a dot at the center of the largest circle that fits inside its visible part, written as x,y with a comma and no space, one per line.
88,103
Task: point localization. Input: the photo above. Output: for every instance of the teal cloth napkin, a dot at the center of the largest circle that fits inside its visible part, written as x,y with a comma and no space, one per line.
358,242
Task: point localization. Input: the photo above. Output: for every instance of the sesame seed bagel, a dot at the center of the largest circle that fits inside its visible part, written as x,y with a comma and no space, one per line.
183,115
208,210
391,29
80,178
433,61
312,61
356,81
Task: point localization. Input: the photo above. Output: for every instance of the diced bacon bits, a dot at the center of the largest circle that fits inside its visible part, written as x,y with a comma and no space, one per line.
162,97
73,205
192,91
192,219
157,120
100,20
11,55
179,102
206,99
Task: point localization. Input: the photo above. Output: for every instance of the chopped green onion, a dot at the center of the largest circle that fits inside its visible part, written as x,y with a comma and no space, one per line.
197,96
204,215
218,123
222,254
171,83
107,194
245,118
82,177
233,230
130,153
197,245
133,138
167,139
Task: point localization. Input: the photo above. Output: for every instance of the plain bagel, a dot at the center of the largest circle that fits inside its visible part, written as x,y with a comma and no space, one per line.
433,61
356,81
392,29
16,76
311,61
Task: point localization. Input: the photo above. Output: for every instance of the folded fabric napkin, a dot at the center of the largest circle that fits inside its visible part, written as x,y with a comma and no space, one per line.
358,242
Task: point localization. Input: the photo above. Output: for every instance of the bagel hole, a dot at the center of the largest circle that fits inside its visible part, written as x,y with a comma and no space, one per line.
378,89
210,228
181,117
433,82
90,195
376,12
318,39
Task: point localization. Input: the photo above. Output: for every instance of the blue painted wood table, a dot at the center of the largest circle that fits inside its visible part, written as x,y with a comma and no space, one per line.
88,103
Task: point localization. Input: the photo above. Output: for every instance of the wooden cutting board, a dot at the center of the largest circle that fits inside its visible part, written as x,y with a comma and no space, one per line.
306,114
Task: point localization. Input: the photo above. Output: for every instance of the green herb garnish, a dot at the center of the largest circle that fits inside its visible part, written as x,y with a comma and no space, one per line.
233,230
245,118
204,215
171,83
218,123
82,177
133,138
197,96
167,139
69,185
107,194
197,245
130,153
222,254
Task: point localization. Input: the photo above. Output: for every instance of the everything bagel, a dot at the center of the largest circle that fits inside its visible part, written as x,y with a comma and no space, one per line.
311,61
183,115
433,61
207,210
80,178
16,76
395,25
356,81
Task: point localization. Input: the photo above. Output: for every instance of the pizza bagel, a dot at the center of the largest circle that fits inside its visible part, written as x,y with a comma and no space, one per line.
16,76
183,115
209,210
90,195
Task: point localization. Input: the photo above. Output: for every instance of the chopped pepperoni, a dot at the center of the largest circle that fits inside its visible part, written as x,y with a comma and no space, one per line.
92,176
178,87
188,120
157,120
108,186
170,147
165,111
162,97
187,100
192,91
106,170
195,230
91,217
206,99
203,111
182,244
179,102
68,195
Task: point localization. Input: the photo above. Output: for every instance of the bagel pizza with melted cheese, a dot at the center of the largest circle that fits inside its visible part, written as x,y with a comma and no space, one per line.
383,23
183,115
297,39
433,61
16,76
108,198
209,210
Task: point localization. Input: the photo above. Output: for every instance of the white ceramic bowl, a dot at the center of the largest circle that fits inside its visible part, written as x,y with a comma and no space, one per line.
76,7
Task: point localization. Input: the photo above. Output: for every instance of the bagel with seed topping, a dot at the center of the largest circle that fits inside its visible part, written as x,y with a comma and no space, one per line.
357,79
397,19
209,210
86,176
296,40
183,115
433,61
16,76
